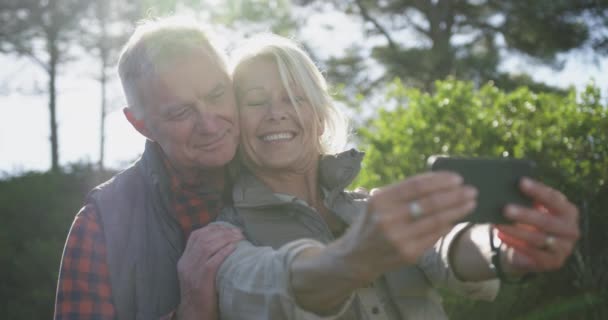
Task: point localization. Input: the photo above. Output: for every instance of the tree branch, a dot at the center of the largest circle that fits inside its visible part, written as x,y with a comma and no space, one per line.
376,24
19,49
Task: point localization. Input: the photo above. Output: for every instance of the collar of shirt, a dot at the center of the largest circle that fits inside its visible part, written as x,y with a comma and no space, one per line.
195,205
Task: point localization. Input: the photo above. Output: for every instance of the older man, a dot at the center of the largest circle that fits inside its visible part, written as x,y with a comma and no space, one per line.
136,250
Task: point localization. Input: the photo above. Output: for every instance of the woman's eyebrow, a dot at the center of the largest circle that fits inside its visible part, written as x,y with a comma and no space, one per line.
218,87
248,90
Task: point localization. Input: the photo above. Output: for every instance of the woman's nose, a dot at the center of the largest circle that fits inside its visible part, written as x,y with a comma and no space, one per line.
277,110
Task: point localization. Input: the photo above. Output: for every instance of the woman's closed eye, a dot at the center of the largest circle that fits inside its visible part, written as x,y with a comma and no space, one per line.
256,103
216,94
298,100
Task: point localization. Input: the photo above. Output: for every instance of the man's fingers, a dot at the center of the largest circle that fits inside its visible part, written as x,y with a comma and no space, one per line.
212,231
216,260
210,248
202,245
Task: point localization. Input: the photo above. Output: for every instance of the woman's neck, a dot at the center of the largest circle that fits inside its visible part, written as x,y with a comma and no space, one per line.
302,184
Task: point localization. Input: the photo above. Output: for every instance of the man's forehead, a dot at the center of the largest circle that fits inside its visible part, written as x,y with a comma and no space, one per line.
164,91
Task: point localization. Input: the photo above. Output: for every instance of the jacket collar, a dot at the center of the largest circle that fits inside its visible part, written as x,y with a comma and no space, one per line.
336,172
155,172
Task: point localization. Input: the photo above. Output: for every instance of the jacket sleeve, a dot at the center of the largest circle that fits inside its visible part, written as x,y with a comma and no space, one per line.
253,283
436,266
83,288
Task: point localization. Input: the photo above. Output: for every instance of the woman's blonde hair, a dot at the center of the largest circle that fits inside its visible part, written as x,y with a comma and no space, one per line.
296,67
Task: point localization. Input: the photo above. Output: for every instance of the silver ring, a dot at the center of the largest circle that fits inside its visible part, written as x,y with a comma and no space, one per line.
414,210
548,243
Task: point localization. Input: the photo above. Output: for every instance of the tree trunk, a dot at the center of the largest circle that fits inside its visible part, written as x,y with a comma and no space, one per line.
103,46
441,20
102,128
52,72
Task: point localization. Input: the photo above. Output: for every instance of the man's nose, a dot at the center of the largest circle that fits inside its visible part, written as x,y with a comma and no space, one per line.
208,121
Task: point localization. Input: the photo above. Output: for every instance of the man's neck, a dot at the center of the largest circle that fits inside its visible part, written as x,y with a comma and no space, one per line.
207,178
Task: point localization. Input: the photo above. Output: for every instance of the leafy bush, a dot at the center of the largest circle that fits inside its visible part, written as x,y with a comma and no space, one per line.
36,211
565,134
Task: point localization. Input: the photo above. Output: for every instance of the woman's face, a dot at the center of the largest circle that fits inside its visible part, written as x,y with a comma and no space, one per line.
272,135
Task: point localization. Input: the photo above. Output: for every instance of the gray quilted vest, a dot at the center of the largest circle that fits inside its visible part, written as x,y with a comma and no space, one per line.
143,238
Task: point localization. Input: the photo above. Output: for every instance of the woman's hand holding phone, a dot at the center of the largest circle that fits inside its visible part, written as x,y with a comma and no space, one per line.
542,237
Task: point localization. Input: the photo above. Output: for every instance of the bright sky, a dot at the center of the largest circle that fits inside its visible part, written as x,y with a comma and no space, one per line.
24,124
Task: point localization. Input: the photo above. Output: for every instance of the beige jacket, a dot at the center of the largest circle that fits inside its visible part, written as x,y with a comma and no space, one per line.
253,283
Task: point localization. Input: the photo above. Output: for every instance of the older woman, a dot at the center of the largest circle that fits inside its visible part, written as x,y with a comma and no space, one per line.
316,250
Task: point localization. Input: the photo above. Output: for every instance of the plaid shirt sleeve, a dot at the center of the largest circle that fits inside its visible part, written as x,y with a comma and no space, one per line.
84,290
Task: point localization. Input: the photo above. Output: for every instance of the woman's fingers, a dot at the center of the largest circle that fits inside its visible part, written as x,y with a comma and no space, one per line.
528,258
548,222
556,202
419,186
446,199
518,237
411,248
412,238
444,209
413,214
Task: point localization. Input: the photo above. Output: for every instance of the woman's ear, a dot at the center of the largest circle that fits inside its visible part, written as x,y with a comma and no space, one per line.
138,124
320,127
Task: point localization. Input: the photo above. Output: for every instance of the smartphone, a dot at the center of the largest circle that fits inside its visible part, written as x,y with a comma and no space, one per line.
496,180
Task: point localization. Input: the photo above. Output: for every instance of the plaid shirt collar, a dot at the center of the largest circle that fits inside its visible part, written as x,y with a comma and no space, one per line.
195,205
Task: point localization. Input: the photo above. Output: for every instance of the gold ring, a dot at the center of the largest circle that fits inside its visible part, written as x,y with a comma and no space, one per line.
548,243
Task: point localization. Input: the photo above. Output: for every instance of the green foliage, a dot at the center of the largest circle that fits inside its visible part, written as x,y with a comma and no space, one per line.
36,211
423,41
566,135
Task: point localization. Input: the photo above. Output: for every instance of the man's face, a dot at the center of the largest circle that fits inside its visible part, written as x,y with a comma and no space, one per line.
190,111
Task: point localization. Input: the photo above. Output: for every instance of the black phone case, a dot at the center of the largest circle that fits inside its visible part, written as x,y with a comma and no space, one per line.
497,181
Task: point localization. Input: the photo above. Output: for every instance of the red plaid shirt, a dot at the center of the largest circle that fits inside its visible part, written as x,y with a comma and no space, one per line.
83,290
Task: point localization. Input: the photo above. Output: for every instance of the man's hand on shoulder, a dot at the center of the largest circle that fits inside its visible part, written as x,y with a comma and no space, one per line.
196,269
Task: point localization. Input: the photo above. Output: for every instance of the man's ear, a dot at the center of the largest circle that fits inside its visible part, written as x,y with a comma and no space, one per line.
138,124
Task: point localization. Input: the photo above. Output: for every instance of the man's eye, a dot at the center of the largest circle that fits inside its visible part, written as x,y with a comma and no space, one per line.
180,113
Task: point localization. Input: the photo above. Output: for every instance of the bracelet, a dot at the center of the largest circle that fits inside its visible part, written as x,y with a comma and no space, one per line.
496,266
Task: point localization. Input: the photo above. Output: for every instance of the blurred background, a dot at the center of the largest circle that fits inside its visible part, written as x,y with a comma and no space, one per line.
421,77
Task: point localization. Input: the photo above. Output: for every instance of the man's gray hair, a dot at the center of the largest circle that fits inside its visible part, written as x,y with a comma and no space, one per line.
296,67
155,46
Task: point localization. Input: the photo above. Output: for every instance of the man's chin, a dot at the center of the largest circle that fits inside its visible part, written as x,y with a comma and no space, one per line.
216,159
